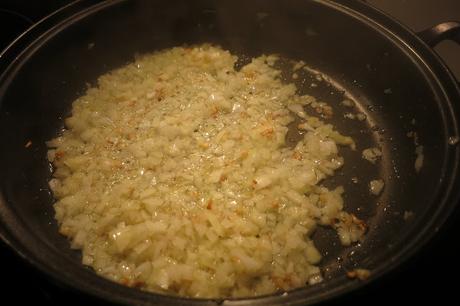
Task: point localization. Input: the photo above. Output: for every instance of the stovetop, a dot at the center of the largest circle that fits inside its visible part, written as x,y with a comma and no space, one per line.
429,276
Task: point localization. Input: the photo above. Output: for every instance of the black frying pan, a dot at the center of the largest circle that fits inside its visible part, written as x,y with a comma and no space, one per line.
394,77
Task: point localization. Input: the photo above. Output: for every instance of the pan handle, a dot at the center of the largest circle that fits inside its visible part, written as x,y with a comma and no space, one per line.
443,31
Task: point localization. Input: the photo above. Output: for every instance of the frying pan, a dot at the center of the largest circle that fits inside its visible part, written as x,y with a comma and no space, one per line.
392,74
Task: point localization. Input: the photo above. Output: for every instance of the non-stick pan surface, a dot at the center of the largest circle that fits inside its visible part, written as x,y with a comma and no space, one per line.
359,54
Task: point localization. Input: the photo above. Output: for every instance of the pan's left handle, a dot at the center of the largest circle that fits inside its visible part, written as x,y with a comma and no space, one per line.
444,31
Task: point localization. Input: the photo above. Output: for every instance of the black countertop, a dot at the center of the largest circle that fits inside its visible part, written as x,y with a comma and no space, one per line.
430,276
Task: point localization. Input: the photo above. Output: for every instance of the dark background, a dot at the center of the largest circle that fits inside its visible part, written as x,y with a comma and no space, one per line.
432,276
